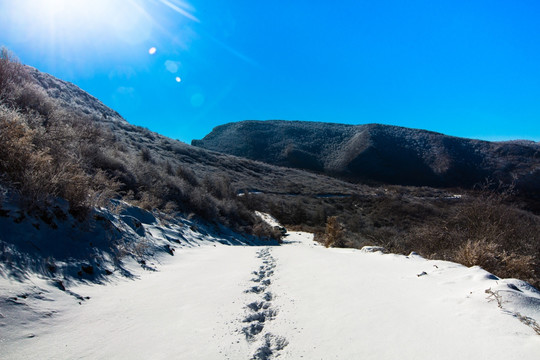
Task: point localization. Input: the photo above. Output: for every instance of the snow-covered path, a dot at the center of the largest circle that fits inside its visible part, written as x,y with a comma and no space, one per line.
296,301
187,310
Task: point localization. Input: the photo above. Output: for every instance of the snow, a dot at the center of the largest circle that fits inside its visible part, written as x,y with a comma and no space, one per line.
182,311
350,304
299,300
267,218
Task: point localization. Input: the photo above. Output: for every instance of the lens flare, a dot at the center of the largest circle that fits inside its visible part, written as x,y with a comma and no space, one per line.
172,66
182,8
152,50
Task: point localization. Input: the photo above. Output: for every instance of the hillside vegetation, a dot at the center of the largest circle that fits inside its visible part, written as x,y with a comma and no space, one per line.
491,223
380,153
58,142
484,227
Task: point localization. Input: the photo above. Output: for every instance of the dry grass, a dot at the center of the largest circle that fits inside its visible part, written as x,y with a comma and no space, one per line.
497,297
487,231
482,253
530,322
334,233
485,227
62,147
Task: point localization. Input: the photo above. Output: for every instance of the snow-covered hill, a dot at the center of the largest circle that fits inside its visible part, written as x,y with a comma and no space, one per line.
218,298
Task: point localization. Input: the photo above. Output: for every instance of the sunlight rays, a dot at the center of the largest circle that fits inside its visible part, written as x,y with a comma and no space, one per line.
68,25
182,8
68,28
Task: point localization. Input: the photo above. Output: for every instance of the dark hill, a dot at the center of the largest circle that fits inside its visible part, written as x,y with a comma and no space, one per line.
379,153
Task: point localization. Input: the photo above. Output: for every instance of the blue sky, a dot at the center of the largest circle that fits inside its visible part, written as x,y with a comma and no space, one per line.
464,68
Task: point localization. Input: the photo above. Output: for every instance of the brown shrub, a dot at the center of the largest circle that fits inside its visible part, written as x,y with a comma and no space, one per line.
188,175
263,230
12,73
219,186
23,166
520,266
16,144
43,165
483,253
103,188
487,231
334,233
148,201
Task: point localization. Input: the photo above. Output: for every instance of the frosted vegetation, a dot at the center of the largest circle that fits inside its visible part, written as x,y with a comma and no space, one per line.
59,142
89,203
59,147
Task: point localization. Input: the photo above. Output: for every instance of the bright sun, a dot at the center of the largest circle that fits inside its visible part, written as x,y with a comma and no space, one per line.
97,31
85,22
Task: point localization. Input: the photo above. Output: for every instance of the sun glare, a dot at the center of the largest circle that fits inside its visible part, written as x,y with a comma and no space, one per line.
92,24
77,30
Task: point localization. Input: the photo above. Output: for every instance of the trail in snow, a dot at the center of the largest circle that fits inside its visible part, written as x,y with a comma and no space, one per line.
295,301
261,311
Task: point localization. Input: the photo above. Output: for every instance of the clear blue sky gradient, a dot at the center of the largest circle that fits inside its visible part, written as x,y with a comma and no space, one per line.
463,68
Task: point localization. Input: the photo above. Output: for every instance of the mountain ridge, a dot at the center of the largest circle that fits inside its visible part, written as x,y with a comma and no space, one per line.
379,153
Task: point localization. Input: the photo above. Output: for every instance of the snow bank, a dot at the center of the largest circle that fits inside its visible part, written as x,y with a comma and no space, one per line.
298,300
351,304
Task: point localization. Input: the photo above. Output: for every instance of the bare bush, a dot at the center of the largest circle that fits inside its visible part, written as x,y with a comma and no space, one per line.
43,149
334,233
188,175
12,73
483,253
219,186
146,155
103,188
25,167
520,266
485,231
57,141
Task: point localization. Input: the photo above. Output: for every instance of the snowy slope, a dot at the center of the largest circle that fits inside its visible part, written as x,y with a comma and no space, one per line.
349,304
298,300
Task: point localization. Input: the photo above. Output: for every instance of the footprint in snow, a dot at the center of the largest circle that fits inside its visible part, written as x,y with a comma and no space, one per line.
260,312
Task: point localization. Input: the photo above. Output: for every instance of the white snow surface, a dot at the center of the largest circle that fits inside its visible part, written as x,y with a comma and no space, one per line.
269,219
294,301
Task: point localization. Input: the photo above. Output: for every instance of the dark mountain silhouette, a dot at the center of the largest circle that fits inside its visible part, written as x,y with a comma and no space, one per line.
380,153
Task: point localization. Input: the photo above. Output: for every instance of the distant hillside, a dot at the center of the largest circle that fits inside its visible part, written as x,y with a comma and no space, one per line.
379,153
